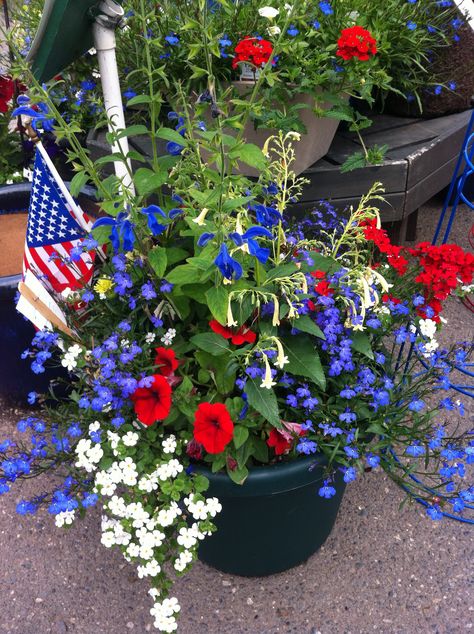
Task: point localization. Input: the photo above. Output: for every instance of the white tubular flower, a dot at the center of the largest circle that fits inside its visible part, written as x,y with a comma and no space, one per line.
201,219
276,312
230,317
268,12
274,30
268,381
282,359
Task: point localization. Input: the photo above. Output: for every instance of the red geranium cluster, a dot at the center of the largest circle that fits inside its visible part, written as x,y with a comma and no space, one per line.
356,42
252,50
441,269
382,241
237,337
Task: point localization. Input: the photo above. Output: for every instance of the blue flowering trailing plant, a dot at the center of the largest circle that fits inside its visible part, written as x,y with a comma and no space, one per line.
212,332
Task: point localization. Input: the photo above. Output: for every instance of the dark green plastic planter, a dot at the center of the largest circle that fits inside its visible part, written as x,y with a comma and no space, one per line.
274,521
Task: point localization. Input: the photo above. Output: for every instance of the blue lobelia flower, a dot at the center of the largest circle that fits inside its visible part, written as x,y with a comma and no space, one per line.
121,231
151,212
226,264
327,491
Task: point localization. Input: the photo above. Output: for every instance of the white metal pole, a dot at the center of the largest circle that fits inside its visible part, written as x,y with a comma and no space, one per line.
104,41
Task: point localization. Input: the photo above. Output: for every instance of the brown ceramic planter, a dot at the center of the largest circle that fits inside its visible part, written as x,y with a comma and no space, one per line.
312,146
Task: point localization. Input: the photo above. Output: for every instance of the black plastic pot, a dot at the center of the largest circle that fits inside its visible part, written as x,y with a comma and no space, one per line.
16,333
274,521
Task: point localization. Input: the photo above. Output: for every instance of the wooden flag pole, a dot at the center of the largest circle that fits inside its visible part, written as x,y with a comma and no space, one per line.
76,212
41,307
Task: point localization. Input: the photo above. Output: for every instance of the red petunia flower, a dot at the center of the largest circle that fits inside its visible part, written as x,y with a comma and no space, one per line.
213,427
282,439
237,337
7,89
152,403
319,275
356,42
252,50
166,361
323,288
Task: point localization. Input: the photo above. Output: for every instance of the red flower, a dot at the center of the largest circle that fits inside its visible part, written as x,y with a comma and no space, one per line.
194,449
282,439
213,427
237,337
356,42
7,90
152,403
323,288
166,361
252,51
318,274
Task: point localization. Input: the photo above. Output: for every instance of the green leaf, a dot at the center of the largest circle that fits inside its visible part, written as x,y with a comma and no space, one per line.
223,377
285,270
132,130
361,343
138,99
201,483
304,359
238,475
175,254
306,324
171,135
264,401
241,434
148,181
355,161
158,260
233,203
78,182
211,342
217,300
184,274
250,154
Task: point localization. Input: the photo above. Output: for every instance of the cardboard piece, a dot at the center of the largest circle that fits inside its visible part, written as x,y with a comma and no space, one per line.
39,307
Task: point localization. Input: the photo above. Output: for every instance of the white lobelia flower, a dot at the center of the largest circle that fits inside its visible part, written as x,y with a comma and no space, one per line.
65,517
268,12
169,444
150,337
130,439
213,506
168,337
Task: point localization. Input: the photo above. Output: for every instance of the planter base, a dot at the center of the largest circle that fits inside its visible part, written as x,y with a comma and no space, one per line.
260,532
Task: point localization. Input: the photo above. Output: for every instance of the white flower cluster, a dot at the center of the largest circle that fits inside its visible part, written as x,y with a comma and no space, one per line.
69,359
168,337
164,614
428,329
166,517
88,454
202,509
162,473
123,472
65,517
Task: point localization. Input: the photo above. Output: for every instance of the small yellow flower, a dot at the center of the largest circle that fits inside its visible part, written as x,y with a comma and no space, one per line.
103,286
201,219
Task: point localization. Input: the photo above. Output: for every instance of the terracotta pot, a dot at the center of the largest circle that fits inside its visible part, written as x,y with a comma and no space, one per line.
312,146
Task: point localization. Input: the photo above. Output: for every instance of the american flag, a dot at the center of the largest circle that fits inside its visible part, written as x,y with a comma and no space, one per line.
53,232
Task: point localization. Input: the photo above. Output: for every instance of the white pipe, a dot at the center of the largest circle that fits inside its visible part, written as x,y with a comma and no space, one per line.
104,42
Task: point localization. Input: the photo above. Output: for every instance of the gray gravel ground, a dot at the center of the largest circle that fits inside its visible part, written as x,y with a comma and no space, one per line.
381,570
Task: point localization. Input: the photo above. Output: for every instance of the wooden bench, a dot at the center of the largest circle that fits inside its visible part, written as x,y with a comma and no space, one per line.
419,163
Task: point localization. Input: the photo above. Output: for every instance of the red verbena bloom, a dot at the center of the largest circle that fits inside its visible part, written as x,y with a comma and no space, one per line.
152,403
237,337
356,42
166,361
213,427
7,89
252,51
381,240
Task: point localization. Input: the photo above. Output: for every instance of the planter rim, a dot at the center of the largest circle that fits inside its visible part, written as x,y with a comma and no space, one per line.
269,479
